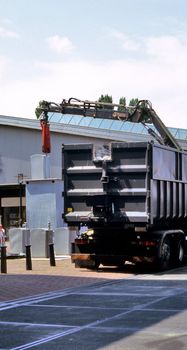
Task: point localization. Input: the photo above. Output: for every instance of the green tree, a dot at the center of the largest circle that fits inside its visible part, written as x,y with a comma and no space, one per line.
122,101
133,102
106,99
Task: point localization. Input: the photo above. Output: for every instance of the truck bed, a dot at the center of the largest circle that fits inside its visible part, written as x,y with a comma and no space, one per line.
132,183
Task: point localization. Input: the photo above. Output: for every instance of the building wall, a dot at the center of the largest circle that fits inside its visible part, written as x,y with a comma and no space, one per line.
17,144
21,138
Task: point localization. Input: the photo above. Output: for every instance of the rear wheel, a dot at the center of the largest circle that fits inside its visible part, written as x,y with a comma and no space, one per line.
164,254
178,257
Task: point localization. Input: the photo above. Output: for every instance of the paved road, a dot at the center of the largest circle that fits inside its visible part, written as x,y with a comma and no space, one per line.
140,312
43,278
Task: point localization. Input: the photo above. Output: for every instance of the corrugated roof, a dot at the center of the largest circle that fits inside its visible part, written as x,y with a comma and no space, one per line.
113,125
93,127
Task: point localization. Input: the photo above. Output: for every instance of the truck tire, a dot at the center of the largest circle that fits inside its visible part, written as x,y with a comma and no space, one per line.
164,258
178,256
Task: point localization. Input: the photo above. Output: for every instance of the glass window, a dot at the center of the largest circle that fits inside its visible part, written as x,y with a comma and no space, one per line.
95,123
55,117
105,124
75,120
116,125
127,126
85,121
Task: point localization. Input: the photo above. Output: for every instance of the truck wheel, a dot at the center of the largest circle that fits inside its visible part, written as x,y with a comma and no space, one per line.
179,253
164,254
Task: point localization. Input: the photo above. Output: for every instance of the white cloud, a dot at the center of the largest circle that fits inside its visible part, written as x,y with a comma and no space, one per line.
157,77
88,80
167,49
5,33
60,44
125,41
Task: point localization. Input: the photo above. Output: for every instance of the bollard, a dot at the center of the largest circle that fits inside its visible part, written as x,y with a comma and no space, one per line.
3,259
50,241
52,254
27,241
28,257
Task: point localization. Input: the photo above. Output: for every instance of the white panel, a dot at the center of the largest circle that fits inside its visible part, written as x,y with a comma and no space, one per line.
44,204
40,166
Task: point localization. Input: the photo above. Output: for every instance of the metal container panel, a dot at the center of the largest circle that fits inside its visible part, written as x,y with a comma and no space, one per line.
119,184
138,183
168,187
164,163
184,167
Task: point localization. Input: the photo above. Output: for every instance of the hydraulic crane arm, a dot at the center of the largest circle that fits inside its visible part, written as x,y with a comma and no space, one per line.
144,113
85,108
141,113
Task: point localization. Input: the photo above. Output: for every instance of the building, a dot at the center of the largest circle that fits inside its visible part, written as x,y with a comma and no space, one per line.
20,138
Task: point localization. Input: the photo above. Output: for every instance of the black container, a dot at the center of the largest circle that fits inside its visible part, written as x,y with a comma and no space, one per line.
125,183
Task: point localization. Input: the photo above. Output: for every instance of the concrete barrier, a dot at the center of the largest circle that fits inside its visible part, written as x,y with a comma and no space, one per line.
62,242
17,240
39,240
39,243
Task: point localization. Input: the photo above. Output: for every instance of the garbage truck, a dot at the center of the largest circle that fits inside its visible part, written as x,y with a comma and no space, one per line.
127,199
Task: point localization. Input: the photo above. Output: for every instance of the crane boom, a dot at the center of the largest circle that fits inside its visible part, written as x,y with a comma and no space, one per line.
141,113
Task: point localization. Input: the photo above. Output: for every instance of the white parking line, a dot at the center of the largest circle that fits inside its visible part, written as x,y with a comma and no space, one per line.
34,299
78,307
87,326
165,292
46,340
44,325
54,295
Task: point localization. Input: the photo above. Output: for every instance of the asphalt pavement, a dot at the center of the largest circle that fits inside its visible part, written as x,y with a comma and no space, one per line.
66,308
129,310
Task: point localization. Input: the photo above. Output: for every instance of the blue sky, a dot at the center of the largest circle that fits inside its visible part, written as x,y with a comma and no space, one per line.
54,49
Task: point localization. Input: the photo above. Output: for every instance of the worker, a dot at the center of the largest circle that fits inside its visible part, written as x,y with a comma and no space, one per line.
2,236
